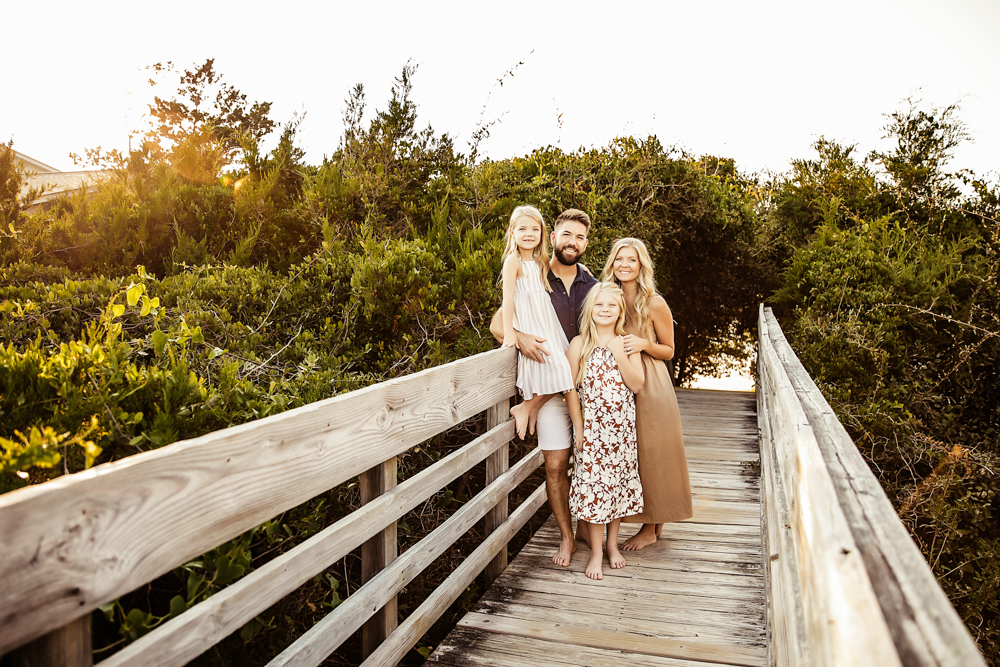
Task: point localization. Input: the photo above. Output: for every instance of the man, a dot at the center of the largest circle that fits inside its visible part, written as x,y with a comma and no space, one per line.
570,284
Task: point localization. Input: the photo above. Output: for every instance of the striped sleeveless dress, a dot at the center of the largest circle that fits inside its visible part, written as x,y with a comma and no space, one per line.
534,314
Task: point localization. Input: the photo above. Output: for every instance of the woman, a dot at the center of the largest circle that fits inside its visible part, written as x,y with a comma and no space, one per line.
650,327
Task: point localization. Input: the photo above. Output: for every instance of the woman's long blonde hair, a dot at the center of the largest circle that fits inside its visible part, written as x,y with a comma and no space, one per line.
541,252
644,281
588,330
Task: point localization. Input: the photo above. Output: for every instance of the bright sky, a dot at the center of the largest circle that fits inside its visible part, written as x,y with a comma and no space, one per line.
756,81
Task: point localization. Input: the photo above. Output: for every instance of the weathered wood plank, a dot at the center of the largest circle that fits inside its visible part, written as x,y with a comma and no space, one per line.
631,642
843,621
599,619
322,639
68,646
424,616
184,638
925,628
467,648
81,540
378,552
496,465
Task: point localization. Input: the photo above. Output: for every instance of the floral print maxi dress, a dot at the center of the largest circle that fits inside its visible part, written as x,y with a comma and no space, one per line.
606,482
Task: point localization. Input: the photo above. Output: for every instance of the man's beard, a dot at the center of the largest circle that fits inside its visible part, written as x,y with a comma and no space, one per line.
568,261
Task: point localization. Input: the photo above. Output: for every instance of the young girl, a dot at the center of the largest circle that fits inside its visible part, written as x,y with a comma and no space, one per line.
605,484
528,309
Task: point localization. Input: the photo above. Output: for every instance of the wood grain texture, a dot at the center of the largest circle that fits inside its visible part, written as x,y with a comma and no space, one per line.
787,645
421,620
322,639
925,627
81,540
496,465
68,646
184,638
378,552
843,621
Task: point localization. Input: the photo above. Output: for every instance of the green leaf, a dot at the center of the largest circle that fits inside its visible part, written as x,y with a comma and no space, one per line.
159,341
147,306
177,605
117,310
108,610
133,293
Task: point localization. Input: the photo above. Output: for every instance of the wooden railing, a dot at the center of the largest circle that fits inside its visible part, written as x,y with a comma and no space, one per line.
846,583
79,541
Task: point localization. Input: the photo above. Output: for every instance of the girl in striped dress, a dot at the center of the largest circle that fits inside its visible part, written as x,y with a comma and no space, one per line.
528,309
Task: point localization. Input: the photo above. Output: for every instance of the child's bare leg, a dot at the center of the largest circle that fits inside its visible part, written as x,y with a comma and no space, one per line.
595,563
533,416
615,557
522,411
647,535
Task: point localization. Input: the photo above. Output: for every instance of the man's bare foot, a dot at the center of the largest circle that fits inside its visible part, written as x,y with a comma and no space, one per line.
520,414
642,539
565,553
615,558
594,565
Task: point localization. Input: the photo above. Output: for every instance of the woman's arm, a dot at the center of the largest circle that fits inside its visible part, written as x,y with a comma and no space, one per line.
663,327
629,365
511,267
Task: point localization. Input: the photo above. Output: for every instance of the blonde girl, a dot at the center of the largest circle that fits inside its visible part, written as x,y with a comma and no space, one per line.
605,484
527,308
649,334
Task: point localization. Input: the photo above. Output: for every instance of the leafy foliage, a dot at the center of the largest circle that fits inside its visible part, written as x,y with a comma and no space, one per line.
892,303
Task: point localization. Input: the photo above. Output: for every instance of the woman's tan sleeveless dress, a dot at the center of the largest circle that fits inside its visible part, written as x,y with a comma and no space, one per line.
663,469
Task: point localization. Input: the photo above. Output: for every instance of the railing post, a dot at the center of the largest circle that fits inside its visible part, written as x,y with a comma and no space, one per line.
68,646
497,464
376,553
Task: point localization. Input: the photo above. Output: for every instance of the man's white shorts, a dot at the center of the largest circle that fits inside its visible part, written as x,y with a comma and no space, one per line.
554,427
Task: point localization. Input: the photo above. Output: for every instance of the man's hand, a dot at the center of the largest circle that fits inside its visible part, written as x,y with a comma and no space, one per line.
531,346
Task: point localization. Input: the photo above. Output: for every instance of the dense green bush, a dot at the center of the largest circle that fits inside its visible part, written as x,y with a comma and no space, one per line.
891,300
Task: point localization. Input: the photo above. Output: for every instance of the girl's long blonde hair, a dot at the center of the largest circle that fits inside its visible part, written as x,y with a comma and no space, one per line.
644,281
541,252
588,330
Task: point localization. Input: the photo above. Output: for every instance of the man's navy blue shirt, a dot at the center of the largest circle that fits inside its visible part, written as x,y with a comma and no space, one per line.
568,304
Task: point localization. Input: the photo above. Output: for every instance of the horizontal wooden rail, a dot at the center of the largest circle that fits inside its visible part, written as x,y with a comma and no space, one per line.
184,638
79,541
420,621
863,590
313,647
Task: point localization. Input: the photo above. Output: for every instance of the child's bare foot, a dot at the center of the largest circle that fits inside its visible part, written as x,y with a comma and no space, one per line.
646,536
594,565
532,418
565,553
659,529
615,557
520,414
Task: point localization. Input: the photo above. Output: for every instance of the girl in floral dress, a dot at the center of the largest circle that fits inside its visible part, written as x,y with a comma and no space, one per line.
605,484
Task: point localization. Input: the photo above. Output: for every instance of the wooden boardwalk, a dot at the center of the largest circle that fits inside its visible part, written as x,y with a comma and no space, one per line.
695,598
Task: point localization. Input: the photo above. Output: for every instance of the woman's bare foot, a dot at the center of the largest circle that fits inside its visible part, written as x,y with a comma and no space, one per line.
520,413
594,565
658,530
615,557
646,536
565,553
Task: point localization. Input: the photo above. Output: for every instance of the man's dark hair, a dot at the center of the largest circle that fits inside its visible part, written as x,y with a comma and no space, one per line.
575,215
